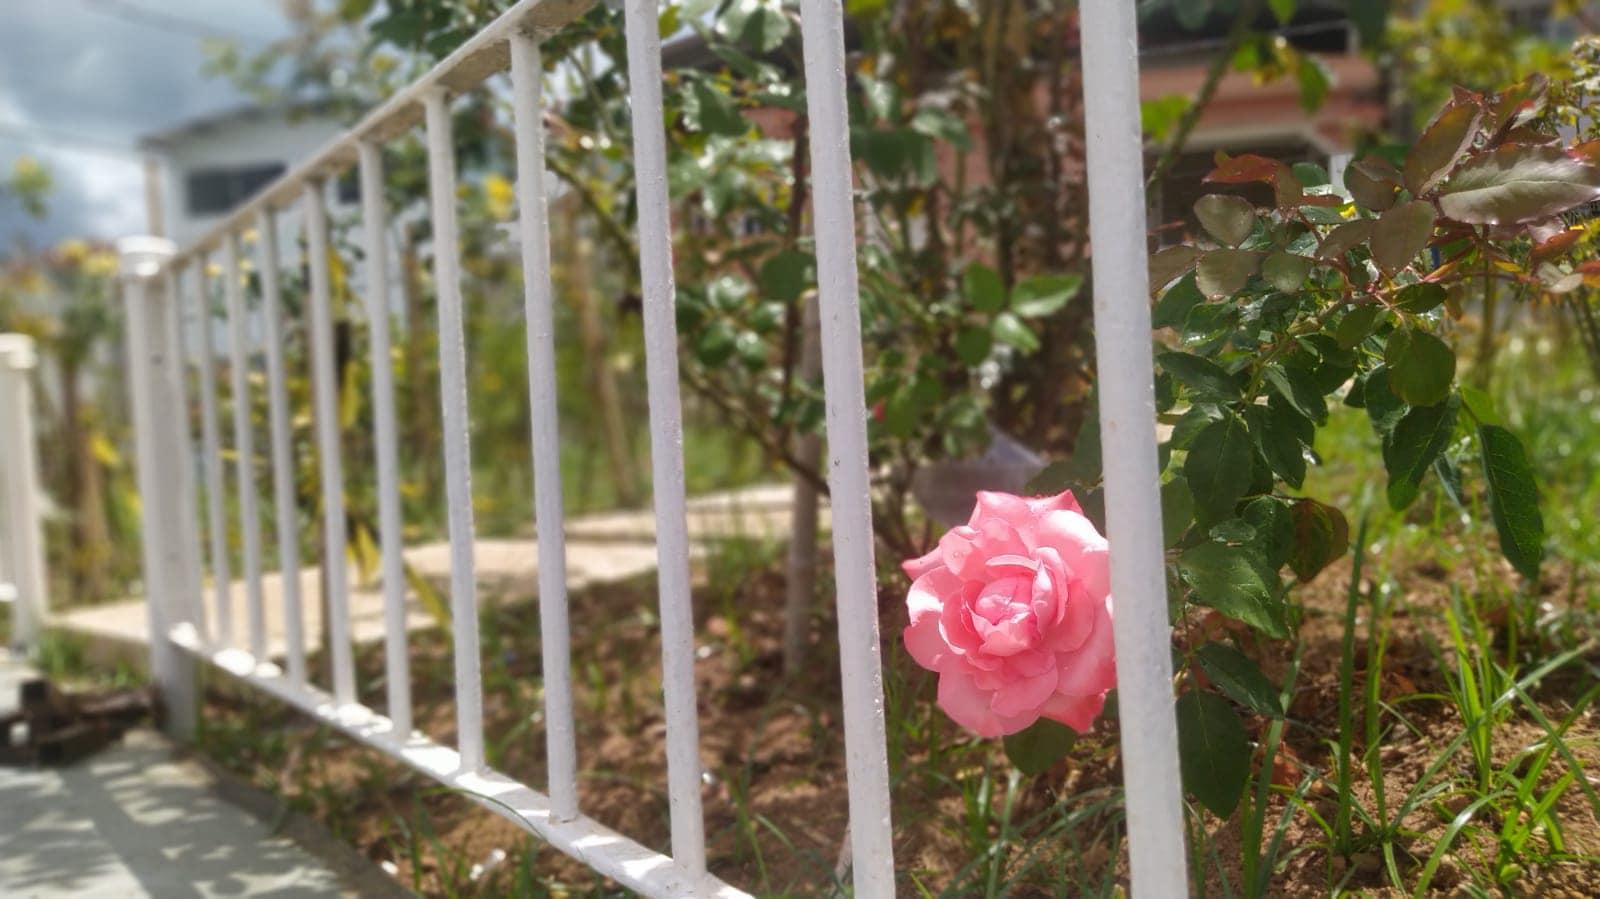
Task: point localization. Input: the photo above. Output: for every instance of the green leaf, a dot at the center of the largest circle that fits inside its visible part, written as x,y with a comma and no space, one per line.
1177,510
758,24
1276,429
1518,183
716,343
1421,367
1513,499
1321,536
1296,385
1218,467
1009,330
1282,10
355,10
1420,298
1274,530
1172,310
1213,751
1158,116
1383,407
1034,749
1442,143
1357,325
1417,440
1480,405
1400,234
1192,14
1237,675
784,275
973,345
1201,375
1286,271
1225,272
1371,18
983,288
718,113
1233,581
1227,218
1314,79
1043,295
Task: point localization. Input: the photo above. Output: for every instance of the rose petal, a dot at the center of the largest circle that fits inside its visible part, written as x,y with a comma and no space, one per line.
1024,695
1082,549
959,551
1092,669
967,705
915,568
1061,502
1076,712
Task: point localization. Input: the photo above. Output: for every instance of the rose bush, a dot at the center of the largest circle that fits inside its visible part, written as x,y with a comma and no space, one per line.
1013,611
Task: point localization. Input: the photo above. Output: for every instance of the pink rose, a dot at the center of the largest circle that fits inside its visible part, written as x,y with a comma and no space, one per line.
1013,610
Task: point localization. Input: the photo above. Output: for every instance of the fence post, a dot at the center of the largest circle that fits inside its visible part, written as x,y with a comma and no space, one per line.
156,413
1117,228
22,546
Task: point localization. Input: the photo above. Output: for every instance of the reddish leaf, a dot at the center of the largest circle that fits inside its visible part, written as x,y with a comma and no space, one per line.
1227,218
1245,169
1555,246
1518,183
1401,233
1441,146
1344,238
1519,105
1224,272
1587,152
1321,535
1373,182
1168,264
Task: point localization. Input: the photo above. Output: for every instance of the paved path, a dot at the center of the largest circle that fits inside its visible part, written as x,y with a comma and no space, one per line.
609,548
139,819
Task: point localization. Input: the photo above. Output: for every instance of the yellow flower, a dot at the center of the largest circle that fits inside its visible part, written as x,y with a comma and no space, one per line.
497,189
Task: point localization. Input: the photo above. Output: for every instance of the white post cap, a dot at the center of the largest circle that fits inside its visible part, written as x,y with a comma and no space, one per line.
17,352
143,256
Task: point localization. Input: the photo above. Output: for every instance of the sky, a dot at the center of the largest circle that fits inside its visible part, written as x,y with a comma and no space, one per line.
82,80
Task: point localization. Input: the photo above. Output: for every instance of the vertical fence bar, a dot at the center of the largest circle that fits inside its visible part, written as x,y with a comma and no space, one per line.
1127,427
666,435
244,445
549,516
23,543
151,363
374,223
861,671
457,443
287,512
336,588
211,456
182,436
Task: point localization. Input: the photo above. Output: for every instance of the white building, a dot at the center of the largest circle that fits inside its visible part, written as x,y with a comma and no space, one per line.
200,170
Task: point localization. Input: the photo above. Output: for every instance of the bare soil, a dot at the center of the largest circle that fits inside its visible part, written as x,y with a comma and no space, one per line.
775,795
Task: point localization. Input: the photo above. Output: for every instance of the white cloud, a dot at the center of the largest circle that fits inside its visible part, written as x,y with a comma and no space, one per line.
77,84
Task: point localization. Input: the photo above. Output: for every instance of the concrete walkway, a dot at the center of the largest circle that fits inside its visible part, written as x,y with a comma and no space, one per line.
601,549
139,819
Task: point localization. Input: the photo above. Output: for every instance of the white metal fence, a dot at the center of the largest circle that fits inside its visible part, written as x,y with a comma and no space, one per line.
22,571
164,287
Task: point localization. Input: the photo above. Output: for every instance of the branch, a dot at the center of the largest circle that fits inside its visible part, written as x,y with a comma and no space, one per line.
1248,10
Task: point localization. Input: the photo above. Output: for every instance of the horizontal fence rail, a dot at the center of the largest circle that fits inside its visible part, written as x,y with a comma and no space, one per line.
248,317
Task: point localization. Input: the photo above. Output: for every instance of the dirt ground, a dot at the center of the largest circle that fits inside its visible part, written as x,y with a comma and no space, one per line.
775,799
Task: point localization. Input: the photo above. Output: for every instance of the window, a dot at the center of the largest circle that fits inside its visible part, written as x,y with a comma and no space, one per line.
216,190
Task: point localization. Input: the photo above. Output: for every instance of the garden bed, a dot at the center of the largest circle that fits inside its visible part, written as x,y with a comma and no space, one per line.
965,823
